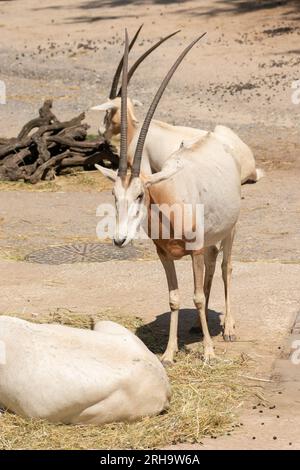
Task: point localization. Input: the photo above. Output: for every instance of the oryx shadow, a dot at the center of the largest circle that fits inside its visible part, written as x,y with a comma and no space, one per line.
155,334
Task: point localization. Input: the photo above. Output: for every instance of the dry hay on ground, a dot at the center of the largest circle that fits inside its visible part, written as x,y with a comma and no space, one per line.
79,181
204,402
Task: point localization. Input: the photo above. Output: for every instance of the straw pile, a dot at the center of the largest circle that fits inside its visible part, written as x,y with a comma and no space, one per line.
204,401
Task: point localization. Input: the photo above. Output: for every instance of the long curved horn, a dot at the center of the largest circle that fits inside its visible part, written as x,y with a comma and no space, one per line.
115,82
123,142
143,57
143,133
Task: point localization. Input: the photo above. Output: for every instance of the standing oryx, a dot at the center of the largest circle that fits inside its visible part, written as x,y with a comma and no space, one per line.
203,173
164,139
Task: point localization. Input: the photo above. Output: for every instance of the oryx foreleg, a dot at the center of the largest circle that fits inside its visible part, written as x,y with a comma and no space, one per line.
210,258
229,324
199,300
172,347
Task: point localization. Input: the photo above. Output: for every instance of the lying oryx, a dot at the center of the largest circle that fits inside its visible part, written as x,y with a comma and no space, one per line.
164,139
203,173
72,375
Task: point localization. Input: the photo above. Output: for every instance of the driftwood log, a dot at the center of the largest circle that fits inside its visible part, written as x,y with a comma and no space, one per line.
45,146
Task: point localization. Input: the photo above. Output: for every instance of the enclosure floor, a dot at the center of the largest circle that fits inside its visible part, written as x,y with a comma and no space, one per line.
241,75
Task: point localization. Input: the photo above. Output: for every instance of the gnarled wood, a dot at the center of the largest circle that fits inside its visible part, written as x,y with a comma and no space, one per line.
53,145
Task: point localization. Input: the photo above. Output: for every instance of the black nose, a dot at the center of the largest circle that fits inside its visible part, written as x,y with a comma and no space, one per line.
119,242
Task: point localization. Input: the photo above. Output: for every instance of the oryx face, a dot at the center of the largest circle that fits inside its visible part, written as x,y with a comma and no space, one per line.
112,120
130,204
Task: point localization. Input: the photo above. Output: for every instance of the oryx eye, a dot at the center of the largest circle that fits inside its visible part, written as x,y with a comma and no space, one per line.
140,197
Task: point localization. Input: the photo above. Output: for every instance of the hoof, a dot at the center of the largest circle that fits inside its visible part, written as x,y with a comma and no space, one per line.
229,338
210,360
209,356
167,363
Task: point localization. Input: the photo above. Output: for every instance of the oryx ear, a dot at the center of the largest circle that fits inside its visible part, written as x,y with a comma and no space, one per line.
136,103
104,107
171,167
107,172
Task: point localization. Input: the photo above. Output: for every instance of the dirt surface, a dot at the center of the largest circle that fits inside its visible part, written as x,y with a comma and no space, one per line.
240,75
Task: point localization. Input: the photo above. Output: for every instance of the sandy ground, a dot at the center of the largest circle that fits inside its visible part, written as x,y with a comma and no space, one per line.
242,76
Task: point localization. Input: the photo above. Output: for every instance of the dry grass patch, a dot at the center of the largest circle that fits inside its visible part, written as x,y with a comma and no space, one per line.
204,402
83,181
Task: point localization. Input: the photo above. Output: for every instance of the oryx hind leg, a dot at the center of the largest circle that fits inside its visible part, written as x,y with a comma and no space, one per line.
210,259
172,347
199,301
229,323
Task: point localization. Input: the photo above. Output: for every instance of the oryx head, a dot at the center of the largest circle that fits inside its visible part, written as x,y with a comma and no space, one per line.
130,188
112,118
112,107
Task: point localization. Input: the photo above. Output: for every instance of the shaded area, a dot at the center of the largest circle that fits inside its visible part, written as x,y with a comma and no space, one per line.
234,6
293,51
95,19
215,8
155,334
248,6
101,4
119,3
98,4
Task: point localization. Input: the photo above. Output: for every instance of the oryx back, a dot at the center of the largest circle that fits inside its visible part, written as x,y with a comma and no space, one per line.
209,176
